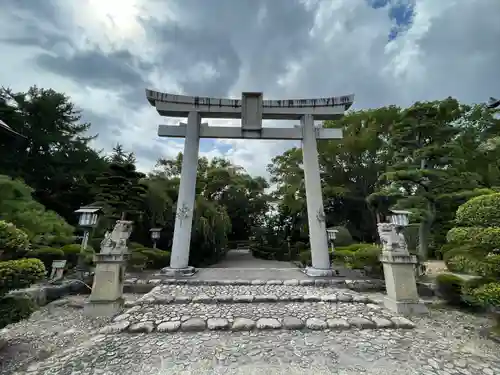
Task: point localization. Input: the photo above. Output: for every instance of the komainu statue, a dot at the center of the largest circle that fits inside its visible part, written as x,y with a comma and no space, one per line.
392,238
116,241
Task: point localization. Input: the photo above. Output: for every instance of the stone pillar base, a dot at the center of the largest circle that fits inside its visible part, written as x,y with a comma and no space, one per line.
406,307
178,272
319,272
102,308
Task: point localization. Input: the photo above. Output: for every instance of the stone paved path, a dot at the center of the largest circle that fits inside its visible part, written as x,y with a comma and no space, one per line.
241,264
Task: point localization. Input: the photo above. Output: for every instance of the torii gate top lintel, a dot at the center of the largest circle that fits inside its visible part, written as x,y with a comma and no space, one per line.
289,109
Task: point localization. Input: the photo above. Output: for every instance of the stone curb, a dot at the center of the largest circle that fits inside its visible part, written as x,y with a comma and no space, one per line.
350,284
198,324
264,298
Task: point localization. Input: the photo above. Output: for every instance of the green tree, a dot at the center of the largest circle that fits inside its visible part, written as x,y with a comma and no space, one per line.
55,159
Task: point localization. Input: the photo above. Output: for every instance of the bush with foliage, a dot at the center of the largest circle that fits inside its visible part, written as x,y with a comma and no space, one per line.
47,255
14,308
156,258
305,257
482,211
21,273
18,274
449,288
468,290
137,261
13,241
488,295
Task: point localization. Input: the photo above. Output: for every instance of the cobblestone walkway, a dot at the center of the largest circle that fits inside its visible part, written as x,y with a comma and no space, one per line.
59,340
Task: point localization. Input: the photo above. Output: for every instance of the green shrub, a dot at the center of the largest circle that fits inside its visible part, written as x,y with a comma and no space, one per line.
156,258
72,253
449,288
135,245
13,241
468,290
358,246
137,261
305,257
47,255
343,237
18,274
488,295
482,211
483,238
367,256
299,246
344,256
14,308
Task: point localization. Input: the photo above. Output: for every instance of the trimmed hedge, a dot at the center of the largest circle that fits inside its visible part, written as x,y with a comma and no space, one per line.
13,241
156,258
482,211
343,237
484,238
488,295
15,308
18,274
47,255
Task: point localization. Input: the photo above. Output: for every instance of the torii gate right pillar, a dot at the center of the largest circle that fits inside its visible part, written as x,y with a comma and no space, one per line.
314,197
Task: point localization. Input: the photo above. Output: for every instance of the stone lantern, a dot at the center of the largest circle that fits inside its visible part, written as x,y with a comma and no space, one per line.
155,235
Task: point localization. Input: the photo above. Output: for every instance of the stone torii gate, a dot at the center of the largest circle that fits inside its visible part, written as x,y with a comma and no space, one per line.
251,109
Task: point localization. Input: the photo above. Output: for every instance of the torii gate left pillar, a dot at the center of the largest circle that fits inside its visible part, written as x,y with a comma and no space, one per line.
251,109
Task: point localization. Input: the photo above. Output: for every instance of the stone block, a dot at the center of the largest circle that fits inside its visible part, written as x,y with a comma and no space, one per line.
141,327
202,298
268,323
362,323
193,325
217,324
243,298
243,324
168,326
266,298
339,324
401,322
115,327
291,282
316,324
382,322
291,322
329,298
312,298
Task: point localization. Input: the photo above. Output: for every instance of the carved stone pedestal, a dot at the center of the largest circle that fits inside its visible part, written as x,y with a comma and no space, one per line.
106,298
399,272
402,296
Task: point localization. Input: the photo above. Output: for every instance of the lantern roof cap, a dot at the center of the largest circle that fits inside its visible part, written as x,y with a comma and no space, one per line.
156,229
88,209
400,212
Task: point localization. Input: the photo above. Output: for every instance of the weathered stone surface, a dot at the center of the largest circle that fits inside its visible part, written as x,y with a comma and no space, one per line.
312,298
243,298
266,298
121,317
339,324
115,327
329,298
258,282
401,322
382,322
182,299
306,282
291,322
344,297
291,282
274,282
316,324
164,299
154,281
243,324
223,298
168,326
321,282
361,323
193,325
141,327
359,299
202,298
214,324
268,323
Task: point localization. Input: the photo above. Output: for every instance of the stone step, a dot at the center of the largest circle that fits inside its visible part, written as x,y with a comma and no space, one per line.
361,284
171,318
207,294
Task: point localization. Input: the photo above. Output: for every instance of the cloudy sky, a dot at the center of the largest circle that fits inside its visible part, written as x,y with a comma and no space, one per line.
104,53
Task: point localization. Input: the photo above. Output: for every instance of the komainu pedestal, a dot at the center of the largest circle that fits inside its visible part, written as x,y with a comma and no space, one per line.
399,272
106,298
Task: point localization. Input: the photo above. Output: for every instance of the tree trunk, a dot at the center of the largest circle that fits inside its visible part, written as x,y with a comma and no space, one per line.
423,240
